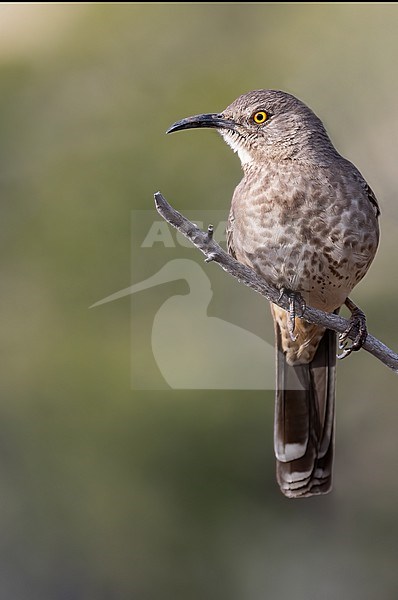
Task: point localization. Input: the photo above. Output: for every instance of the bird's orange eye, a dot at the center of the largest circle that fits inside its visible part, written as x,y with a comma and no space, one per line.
260,117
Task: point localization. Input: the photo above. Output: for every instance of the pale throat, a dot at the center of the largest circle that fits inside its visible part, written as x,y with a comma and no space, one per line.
245,157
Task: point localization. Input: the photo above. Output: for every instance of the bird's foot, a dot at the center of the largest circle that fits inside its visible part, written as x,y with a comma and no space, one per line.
294,299
358,323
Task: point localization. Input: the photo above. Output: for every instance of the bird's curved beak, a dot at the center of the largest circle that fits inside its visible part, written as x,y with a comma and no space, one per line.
214,120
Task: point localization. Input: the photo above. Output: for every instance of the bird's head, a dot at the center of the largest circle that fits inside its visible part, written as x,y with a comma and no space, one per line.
265,125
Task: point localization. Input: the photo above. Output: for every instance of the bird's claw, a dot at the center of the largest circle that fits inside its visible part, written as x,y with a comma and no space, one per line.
358,323
292,298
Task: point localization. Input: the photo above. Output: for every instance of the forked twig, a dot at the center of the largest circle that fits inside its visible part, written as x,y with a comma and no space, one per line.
205,243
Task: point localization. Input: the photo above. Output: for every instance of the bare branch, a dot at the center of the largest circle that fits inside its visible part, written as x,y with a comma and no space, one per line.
205,243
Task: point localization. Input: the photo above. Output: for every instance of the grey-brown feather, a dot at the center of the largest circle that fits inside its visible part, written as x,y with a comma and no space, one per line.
304,420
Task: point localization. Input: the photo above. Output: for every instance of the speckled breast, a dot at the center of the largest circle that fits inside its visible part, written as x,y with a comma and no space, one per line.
314,235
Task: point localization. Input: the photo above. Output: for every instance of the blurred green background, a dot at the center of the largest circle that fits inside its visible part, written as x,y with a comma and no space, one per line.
110,493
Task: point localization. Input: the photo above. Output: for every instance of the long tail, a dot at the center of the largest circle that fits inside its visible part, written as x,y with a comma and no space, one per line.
304,420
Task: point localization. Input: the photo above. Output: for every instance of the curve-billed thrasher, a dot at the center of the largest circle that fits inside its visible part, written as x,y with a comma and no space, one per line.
306,220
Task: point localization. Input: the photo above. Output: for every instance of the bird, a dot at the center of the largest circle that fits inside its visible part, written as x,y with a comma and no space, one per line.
305,219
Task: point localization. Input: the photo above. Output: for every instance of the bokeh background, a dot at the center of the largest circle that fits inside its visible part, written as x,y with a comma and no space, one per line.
107,492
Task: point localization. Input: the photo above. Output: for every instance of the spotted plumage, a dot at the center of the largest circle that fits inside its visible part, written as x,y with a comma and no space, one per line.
306,220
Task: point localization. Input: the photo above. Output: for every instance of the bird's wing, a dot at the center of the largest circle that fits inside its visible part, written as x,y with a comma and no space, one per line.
230,236
372,199
366,188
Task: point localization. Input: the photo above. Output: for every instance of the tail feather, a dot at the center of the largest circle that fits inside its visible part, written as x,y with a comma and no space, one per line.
304,420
